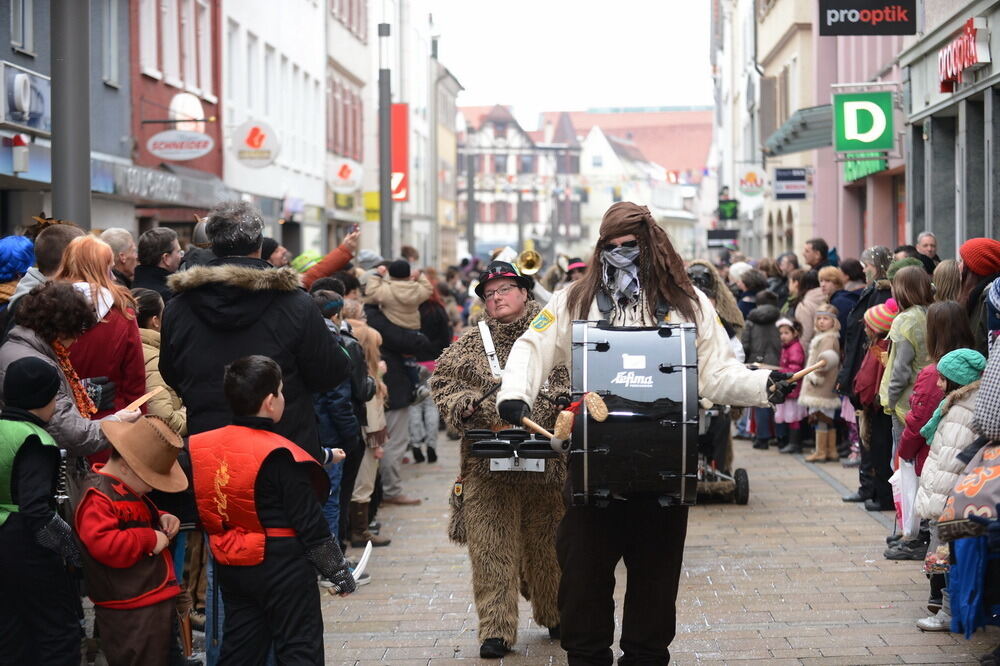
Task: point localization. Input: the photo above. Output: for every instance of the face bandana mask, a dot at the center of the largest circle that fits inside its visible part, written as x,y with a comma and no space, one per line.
622,275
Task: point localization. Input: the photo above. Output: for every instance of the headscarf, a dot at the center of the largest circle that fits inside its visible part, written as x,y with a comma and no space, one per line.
622,273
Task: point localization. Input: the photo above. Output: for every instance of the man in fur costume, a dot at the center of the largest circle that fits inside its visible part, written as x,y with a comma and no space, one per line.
508,519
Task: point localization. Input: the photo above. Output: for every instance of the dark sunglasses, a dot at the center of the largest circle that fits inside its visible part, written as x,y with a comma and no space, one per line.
611,246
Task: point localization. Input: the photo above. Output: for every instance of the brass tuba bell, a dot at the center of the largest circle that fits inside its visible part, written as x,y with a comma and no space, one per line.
529,262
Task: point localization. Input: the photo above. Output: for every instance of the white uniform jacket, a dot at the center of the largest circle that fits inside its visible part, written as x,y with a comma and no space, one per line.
548,341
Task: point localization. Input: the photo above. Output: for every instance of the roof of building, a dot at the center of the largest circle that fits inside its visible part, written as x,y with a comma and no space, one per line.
677,140
475,116
625,149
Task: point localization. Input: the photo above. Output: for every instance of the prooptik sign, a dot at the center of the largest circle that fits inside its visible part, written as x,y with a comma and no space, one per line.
867,17
969,51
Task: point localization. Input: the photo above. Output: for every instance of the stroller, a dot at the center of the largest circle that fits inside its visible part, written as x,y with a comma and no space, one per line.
716,478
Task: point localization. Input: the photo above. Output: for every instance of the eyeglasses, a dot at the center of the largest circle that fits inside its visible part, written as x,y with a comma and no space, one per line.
502,291
611,246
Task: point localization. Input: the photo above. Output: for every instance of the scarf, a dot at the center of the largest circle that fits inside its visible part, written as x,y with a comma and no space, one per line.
622,276
80,397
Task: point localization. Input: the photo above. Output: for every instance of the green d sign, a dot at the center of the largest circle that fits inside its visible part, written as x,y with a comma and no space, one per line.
862,121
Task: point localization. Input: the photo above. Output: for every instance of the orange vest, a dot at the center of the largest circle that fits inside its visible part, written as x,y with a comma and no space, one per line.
225,463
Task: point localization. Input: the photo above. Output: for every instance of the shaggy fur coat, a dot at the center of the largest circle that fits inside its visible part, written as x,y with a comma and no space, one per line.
507,519
818,387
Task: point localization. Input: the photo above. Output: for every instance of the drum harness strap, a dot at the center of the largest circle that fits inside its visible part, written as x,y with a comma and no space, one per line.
605,304
497,370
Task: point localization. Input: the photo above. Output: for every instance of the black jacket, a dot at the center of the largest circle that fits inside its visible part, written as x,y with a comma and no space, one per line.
435,325
237,307
761,341
855,338
155,278
397,342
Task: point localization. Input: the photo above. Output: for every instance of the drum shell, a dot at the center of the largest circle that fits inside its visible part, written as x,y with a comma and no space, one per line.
648,445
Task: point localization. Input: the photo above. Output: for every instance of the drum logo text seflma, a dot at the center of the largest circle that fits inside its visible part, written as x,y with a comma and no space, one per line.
632,380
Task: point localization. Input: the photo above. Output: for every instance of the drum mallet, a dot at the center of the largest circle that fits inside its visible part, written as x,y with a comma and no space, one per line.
535,428
596,408
805,371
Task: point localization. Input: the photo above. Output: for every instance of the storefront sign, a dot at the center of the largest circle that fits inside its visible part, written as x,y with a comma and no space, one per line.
859,167
27,100
790,183
372,206
146,184
752,183
967,52
863,121
729,209
255,144
400,180
343,175
720,238
179,145
867,17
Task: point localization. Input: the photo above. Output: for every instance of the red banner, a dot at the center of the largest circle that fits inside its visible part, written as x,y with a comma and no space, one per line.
400,180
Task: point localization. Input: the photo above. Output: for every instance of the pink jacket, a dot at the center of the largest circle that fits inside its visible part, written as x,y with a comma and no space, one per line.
924,400
793,359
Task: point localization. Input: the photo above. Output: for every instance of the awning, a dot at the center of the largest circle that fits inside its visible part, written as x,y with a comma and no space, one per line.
807,129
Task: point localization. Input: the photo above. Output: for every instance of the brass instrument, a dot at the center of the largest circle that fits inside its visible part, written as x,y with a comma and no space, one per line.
529,262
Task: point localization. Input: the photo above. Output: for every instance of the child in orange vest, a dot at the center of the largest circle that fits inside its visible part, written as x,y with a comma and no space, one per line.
126,564
260,498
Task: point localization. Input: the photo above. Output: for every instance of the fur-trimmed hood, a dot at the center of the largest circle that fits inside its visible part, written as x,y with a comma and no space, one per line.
235,292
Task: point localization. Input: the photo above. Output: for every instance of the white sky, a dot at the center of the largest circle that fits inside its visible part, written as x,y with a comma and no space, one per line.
561,55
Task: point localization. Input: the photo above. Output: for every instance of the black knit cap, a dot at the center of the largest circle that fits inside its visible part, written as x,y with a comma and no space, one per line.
399,269
267,248
30,383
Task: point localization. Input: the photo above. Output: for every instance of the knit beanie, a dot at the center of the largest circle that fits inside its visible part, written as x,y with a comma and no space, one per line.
981,255
30,383
267,248
962,366
879,318
900,264
399,269
368,259
17,255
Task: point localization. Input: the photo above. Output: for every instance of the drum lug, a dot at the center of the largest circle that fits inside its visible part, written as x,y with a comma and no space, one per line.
670,423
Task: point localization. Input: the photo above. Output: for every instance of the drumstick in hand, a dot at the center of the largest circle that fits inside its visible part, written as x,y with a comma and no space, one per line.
805,371
535,428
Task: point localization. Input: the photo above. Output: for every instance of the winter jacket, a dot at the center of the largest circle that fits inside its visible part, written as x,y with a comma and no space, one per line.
155,278
397,343
336,411
844,301
79,436
334,261
855,339
435,324
31,279
197,256
399,298
793,359
761,341
240,306
907,357
924,400
805,313
977,313
548,343
817,387
942,467
463,376
987,416
112,349
165,404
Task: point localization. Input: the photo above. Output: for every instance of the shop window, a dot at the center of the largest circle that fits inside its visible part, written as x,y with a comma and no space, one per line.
22,34
109,41
148,37
203,28
170,41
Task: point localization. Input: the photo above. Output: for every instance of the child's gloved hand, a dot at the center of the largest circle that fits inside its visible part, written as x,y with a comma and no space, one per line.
102,391
126,416
992,529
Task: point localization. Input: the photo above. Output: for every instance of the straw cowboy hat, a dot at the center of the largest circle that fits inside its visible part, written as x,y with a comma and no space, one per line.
150,447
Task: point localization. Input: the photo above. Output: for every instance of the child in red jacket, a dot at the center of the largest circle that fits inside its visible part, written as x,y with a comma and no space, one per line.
126,564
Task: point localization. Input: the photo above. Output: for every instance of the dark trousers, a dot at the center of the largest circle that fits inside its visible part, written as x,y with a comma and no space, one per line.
881,455
272,603
589,544
352,463
39,620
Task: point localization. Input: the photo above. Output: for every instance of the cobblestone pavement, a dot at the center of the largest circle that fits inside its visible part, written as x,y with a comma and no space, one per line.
795,577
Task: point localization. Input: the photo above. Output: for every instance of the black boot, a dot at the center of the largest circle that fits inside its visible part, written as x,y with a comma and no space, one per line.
432,456
418,455
794,442
493,648
760,444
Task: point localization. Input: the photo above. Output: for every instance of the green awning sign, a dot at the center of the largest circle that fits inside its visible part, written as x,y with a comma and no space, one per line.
859,167
863,121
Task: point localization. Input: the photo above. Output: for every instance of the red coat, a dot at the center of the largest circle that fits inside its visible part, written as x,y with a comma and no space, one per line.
338,257
793,359
924,400
112,349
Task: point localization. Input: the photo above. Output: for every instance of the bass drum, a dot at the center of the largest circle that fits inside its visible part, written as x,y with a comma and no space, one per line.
648,445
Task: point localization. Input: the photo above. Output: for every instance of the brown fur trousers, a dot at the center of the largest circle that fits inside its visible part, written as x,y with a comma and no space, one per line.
510,532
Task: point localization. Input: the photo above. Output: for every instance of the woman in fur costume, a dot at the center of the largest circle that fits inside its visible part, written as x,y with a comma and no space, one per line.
507,519
818,388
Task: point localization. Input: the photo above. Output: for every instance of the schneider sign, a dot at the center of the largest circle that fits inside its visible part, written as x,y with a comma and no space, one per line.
867,17
862,121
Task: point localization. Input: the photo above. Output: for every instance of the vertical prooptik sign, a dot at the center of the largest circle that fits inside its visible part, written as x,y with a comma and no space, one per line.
400,123
863,121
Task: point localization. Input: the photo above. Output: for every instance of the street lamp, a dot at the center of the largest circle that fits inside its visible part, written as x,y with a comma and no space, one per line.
384,144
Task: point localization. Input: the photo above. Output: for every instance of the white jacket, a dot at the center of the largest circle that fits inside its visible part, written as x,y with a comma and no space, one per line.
942,467
548,342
